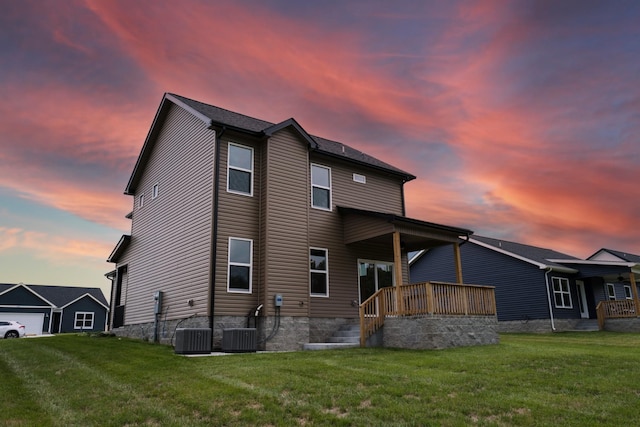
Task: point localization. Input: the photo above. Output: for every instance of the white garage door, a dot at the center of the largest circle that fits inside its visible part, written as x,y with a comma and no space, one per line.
31,321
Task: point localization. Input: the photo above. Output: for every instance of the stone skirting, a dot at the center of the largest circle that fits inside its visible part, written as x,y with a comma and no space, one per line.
291,333
287,333
437,332
538,325
628,324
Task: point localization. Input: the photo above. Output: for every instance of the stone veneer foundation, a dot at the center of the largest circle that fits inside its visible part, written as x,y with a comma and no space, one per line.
437,332
291,333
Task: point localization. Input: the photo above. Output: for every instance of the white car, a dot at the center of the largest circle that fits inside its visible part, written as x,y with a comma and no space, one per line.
11,329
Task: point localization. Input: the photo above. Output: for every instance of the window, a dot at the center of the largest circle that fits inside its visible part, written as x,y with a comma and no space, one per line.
240,257
155,191
321,187
611,291
84,320
319,272
561,293
627,292
240,170
141,201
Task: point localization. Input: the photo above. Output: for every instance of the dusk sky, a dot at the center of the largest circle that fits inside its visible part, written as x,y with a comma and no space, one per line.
521,119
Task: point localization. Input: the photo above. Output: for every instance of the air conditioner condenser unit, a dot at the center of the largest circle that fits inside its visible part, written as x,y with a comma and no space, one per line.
193,341
239,340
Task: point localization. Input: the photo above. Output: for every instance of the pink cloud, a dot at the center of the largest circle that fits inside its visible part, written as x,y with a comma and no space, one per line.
52,247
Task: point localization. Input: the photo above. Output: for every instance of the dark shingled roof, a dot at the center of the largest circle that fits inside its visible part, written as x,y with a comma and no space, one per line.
242,122
60,295
534,253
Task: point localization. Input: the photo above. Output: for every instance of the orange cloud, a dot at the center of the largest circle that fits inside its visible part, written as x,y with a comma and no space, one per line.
53,247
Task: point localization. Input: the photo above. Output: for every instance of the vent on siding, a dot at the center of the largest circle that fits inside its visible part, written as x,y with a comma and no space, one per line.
239,340
193,341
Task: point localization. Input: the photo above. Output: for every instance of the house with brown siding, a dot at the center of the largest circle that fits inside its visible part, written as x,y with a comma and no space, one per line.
238,222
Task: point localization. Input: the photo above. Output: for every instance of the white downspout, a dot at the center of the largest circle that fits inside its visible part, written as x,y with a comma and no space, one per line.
546,280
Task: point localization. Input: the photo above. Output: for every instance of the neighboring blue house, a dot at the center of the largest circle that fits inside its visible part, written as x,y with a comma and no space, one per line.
54,309
536,289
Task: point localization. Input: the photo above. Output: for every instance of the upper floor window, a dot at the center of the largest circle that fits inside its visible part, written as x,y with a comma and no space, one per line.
240,260
240,169
319,272
561,293
321,187
155,191
141,201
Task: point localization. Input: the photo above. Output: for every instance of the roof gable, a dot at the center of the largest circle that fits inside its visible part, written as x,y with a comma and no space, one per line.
22,295
81,297
613,255
54,296
213,117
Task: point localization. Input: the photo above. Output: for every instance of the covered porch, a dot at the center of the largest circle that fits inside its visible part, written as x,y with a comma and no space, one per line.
436,301
627,308
608,290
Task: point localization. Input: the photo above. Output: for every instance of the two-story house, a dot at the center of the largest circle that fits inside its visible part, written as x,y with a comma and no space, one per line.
237,221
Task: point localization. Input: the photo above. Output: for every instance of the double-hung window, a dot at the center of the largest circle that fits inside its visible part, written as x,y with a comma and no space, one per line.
319,271
83,320
611,291
321,187
561,292
627,292
240,260
240,169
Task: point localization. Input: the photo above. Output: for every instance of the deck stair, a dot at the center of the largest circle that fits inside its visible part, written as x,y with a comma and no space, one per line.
348,336
587,325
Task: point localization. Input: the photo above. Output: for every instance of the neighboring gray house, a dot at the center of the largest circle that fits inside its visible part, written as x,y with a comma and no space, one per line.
539,289
54,309
237,221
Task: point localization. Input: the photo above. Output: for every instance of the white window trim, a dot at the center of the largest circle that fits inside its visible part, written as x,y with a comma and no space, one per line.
562,280
155,191
330,208
628,292
325,272
611,289
229,167
84,316
140,201
240,264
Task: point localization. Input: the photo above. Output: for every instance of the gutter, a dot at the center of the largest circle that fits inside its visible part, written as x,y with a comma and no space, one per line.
214,231
546,280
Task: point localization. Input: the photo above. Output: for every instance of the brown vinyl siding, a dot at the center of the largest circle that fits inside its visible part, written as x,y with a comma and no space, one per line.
381,192
171,234
286,246
238,216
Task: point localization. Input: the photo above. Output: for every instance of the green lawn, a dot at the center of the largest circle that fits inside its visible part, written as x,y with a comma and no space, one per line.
576,379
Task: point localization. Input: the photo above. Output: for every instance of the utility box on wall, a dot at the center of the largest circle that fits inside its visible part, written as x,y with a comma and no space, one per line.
193,341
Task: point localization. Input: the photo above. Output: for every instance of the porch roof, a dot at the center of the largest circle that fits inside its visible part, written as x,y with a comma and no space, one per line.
364,225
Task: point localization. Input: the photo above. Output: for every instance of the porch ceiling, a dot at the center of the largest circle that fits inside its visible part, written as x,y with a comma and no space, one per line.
370,226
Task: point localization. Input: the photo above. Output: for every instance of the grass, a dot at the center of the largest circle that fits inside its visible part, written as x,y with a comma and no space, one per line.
576,379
